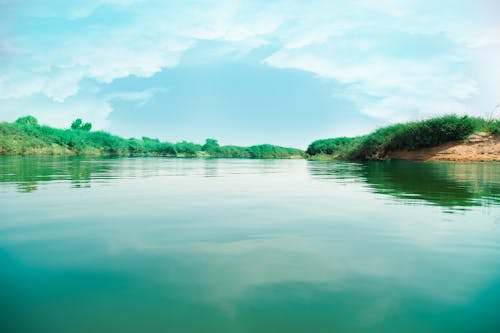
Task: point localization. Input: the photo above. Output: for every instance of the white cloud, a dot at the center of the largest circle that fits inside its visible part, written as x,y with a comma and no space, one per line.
142,97
349,42
154,38
395,87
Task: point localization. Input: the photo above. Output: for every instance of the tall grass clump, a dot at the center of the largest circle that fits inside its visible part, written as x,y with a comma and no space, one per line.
493,127
407,136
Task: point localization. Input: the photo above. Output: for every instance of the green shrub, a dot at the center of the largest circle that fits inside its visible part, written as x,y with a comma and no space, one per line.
28,120
493,127
331,146
79,125
25,136
412,135
211,146
76,124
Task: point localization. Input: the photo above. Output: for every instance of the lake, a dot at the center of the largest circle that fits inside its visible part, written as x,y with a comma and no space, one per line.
235,245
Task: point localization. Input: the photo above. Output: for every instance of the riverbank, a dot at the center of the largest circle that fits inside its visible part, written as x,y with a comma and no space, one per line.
26,137
480,147
447,138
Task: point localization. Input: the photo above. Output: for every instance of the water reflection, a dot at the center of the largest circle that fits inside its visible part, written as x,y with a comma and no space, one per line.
444,184
211,167
451,185
28,171
223,245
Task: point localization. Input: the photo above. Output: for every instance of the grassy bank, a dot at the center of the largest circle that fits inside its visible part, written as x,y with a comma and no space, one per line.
407,136
27,137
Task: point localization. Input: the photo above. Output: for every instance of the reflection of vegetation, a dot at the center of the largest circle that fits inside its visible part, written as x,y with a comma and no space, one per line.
413,135
26,187
27,171
26,137
211,167
443,184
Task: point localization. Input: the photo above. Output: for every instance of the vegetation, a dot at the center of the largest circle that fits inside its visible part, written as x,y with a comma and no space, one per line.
408,136
493,127
79,125
212,148
26,136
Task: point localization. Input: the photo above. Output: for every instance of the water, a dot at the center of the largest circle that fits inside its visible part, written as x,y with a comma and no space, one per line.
222,245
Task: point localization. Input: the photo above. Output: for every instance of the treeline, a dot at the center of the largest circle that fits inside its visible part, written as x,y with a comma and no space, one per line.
26,136
407,136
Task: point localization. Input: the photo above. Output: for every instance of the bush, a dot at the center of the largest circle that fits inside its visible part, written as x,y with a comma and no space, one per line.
493,127
26,137
330,146
79,125
76,124
28,120
413,135
211,146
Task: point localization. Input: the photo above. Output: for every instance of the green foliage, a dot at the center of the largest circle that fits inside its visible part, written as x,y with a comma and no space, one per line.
412,135
87,127
234,152
270,151
79,125
211,146
334,146
493,127
185,148
28,120
25,137
76,124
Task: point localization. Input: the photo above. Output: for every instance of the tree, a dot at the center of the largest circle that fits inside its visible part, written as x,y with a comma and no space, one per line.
187,148
87,127
211,145
76,124
28,120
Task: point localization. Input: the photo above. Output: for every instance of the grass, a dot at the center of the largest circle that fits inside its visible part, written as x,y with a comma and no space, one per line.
407,136
27,137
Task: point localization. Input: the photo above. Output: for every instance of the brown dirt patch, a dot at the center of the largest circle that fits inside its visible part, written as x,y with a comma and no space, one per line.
480,147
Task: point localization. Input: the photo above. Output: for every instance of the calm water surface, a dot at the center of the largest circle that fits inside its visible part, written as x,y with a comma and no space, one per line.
222,245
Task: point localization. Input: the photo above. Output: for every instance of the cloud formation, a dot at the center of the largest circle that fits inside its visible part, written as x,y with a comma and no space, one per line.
396,60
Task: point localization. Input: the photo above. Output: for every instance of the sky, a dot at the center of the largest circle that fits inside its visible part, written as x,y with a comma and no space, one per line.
247,72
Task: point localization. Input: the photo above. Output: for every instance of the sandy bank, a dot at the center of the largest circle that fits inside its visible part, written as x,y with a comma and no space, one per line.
480,147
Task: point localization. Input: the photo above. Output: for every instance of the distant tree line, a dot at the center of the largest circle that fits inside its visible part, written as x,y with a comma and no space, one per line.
26,136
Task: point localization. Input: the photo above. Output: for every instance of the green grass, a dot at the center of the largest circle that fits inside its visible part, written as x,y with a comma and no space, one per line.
493,127
407,136
26,137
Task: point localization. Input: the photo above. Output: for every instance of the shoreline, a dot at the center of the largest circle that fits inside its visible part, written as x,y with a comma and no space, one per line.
180,156
480,147
448,138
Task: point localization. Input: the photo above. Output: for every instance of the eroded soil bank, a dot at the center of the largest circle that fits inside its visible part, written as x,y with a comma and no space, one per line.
480,147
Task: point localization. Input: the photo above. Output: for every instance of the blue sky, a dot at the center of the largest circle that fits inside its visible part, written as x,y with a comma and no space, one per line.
247,72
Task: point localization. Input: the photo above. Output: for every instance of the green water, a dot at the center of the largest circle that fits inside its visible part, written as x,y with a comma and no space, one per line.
221,245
